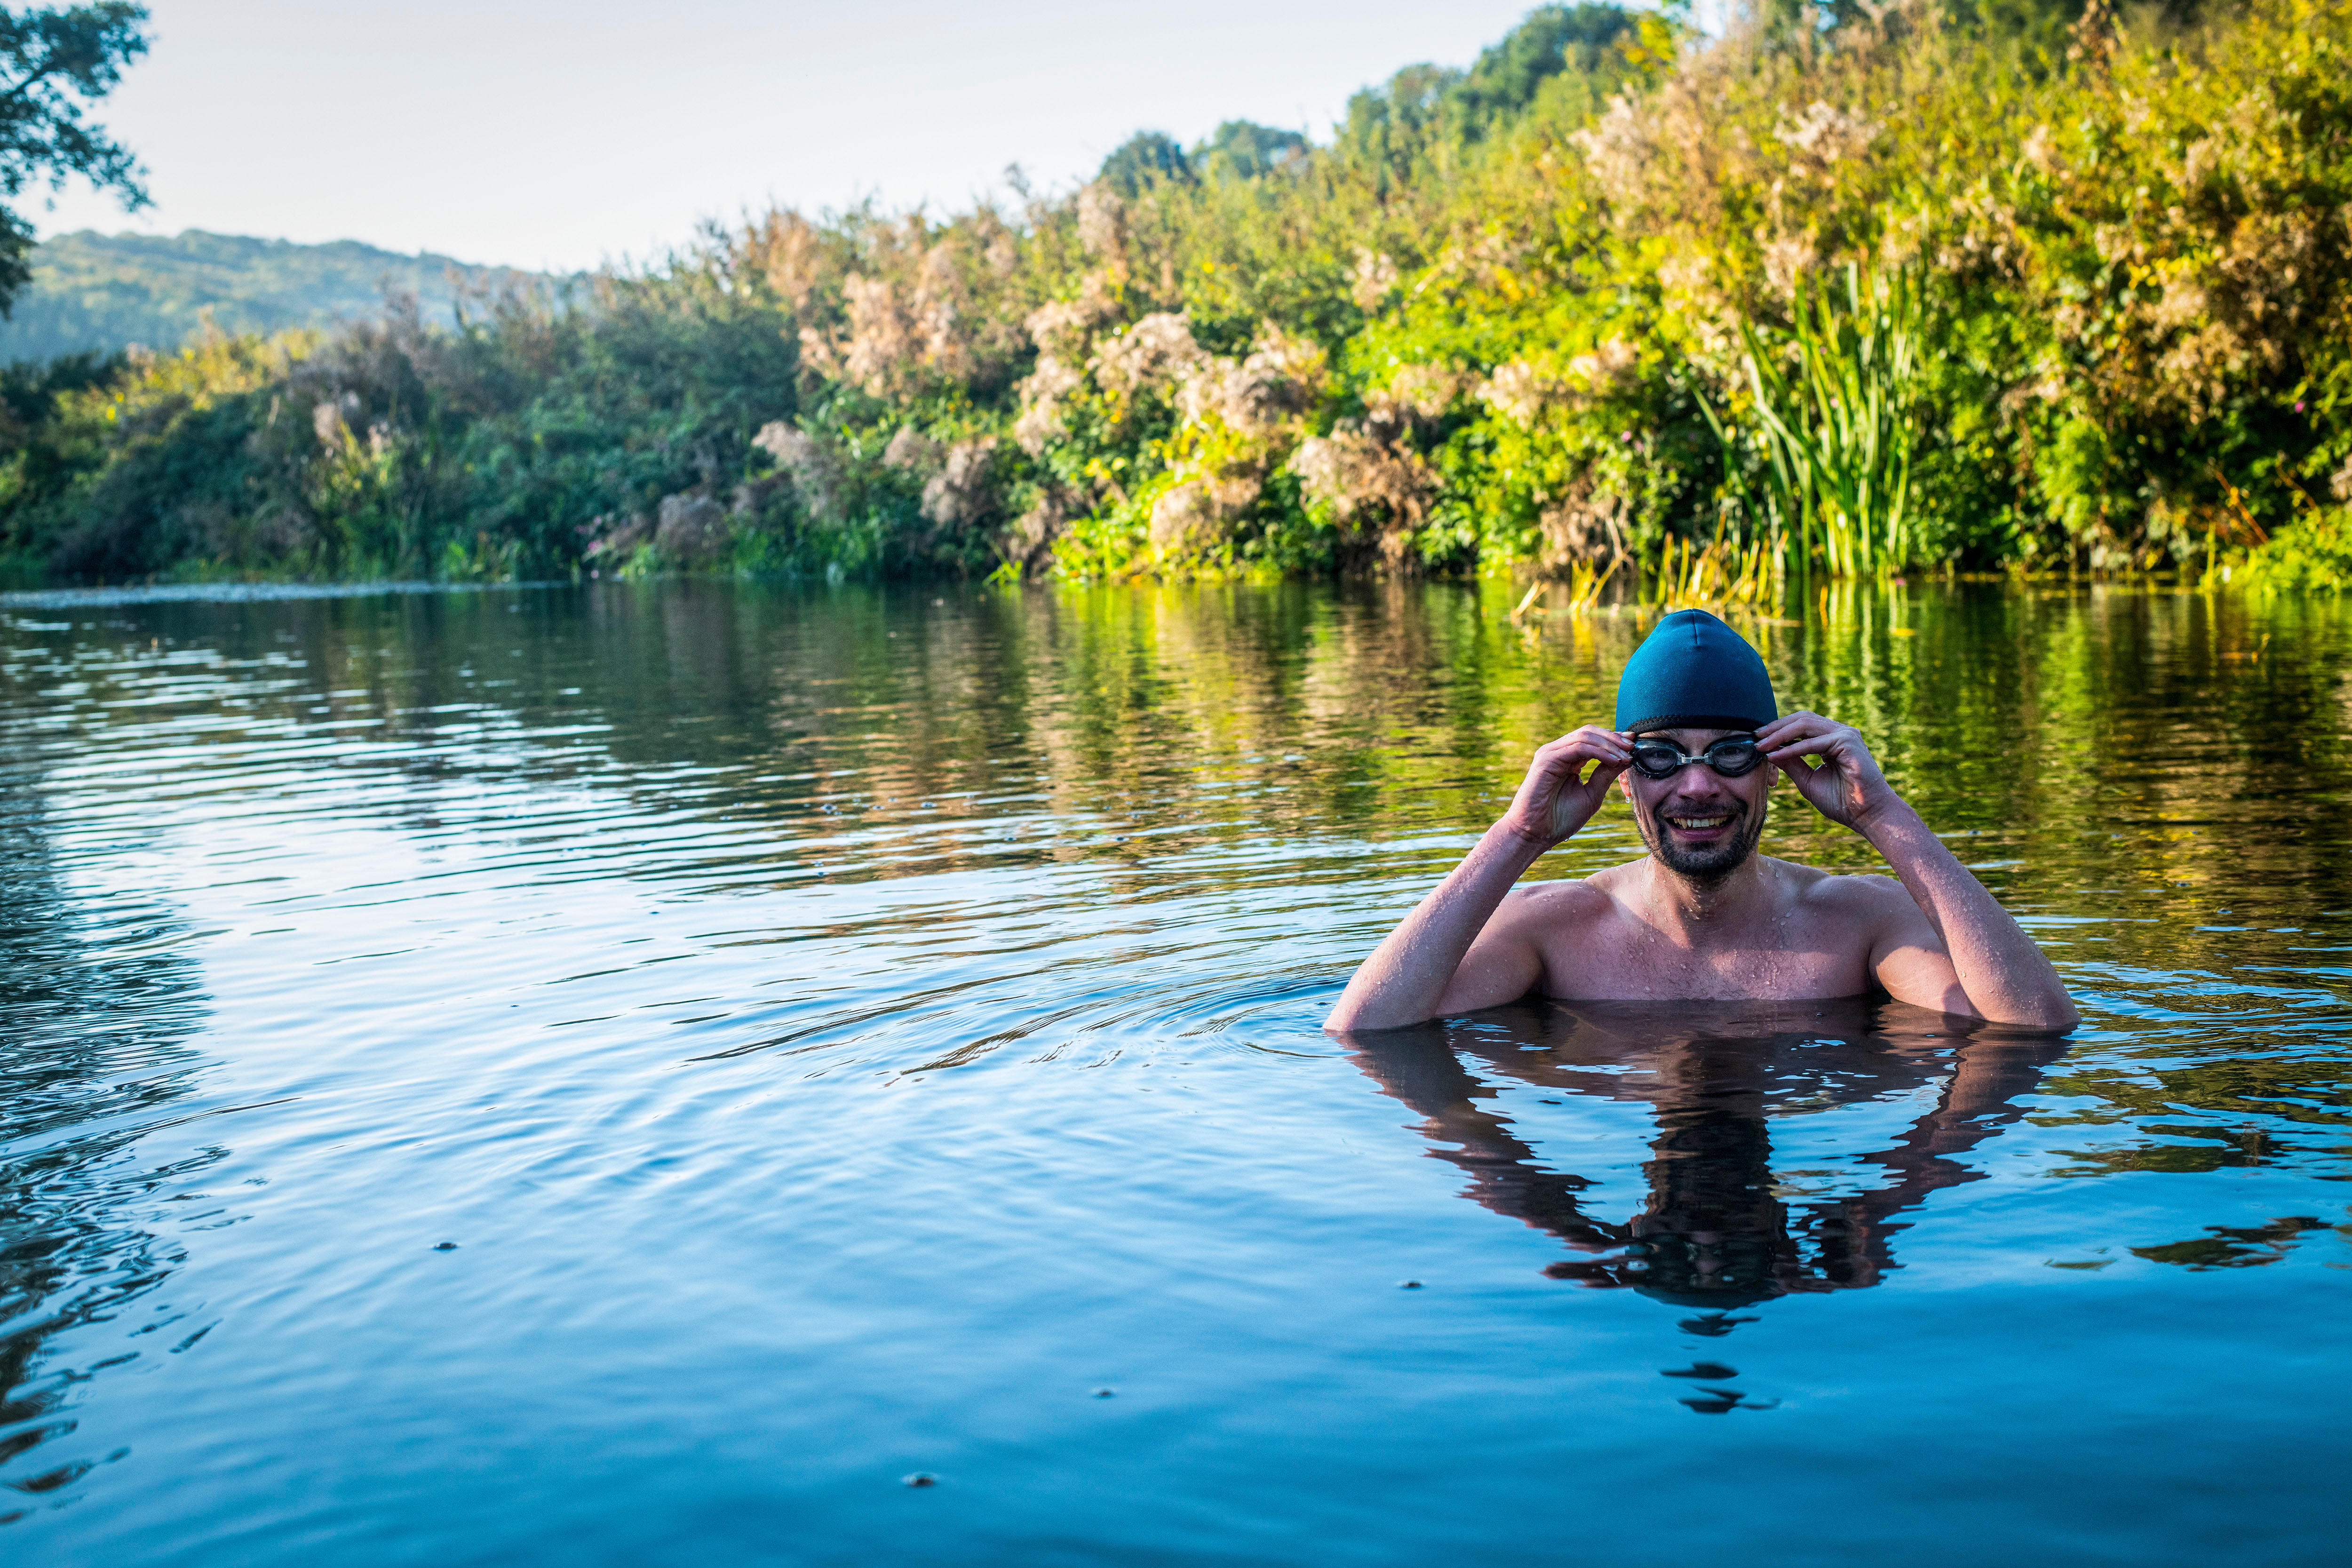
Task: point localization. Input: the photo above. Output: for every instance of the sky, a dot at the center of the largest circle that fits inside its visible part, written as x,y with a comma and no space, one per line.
560,136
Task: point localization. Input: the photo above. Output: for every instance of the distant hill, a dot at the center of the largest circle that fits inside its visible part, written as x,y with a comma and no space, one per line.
92,291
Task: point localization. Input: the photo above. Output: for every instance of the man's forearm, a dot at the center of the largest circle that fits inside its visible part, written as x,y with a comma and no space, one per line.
2007,978
1403,979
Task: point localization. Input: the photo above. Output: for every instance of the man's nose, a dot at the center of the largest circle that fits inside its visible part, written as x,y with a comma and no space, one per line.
1705,789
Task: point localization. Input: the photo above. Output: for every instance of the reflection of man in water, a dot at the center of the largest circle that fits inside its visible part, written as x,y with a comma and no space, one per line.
1718,1228
1698,744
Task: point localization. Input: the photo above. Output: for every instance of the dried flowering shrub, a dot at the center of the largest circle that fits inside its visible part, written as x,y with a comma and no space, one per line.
2181,238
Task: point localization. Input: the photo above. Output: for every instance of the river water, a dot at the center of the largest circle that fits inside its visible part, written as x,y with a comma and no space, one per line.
637,1073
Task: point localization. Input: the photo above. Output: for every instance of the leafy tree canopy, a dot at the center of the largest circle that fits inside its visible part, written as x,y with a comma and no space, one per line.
55,63
1237,150
1391,126
1244,149
1386,125
1146,156
1553,38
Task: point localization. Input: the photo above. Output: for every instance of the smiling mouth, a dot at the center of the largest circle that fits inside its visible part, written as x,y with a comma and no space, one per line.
1697,824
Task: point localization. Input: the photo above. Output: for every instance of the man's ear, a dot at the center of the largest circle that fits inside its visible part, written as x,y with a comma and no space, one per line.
1625,786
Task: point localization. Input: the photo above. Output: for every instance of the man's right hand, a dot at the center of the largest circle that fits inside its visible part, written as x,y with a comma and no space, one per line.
1441,958
1553,802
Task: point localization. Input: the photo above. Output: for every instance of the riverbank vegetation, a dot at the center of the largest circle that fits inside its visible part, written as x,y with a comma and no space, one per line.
1956,284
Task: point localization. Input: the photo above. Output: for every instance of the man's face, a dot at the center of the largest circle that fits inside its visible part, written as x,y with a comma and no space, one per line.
1697,822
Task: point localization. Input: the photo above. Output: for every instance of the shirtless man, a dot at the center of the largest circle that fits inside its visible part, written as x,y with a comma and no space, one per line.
1698,745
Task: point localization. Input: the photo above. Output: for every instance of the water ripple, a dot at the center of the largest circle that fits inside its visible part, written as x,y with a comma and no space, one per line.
633,1079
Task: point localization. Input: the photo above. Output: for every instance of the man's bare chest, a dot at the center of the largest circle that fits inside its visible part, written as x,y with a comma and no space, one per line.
1622,961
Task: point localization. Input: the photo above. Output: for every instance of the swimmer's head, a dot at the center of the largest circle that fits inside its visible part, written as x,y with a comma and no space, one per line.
1694,682
1694,673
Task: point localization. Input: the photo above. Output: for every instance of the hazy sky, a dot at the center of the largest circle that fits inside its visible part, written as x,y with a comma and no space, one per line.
558,135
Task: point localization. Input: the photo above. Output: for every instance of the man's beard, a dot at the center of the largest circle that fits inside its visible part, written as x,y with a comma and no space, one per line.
1709,864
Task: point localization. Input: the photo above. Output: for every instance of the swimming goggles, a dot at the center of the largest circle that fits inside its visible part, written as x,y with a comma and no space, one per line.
1731,756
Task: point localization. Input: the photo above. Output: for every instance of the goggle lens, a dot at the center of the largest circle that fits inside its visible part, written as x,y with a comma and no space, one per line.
1664,759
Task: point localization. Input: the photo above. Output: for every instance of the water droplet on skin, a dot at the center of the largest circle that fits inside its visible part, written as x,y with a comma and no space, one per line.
919,1478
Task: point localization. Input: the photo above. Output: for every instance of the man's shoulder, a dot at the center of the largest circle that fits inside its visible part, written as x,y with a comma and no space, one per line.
1844,892
1570,898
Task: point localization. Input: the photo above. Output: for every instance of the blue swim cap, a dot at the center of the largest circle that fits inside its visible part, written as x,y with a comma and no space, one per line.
1694,673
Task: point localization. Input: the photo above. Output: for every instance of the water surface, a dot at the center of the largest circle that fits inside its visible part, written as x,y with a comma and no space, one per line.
632,1073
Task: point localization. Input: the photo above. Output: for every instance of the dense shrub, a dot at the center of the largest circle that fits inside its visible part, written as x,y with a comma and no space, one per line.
511,445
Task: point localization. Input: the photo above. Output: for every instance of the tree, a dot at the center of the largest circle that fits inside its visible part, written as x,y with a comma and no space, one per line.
55,63
1146,156
1243,149
1552,39
1392,129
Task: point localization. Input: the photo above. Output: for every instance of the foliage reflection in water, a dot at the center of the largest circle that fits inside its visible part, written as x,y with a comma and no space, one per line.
628,1073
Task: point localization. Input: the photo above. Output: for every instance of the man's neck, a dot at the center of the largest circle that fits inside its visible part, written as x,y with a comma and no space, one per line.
1701,909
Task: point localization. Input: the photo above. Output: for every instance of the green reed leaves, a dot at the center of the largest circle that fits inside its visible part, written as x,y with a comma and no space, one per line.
1836,425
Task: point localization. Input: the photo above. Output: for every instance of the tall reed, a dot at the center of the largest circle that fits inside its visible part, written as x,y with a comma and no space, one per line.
1586,579
1726,573
1837,428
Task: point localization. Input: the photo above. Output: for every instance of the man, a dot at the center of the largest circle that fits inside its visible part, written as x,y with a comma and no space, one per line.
1699,743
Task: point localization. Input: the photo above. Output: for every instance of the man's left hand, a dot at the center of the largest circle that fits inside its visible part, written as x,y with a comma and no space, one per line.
1847,788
